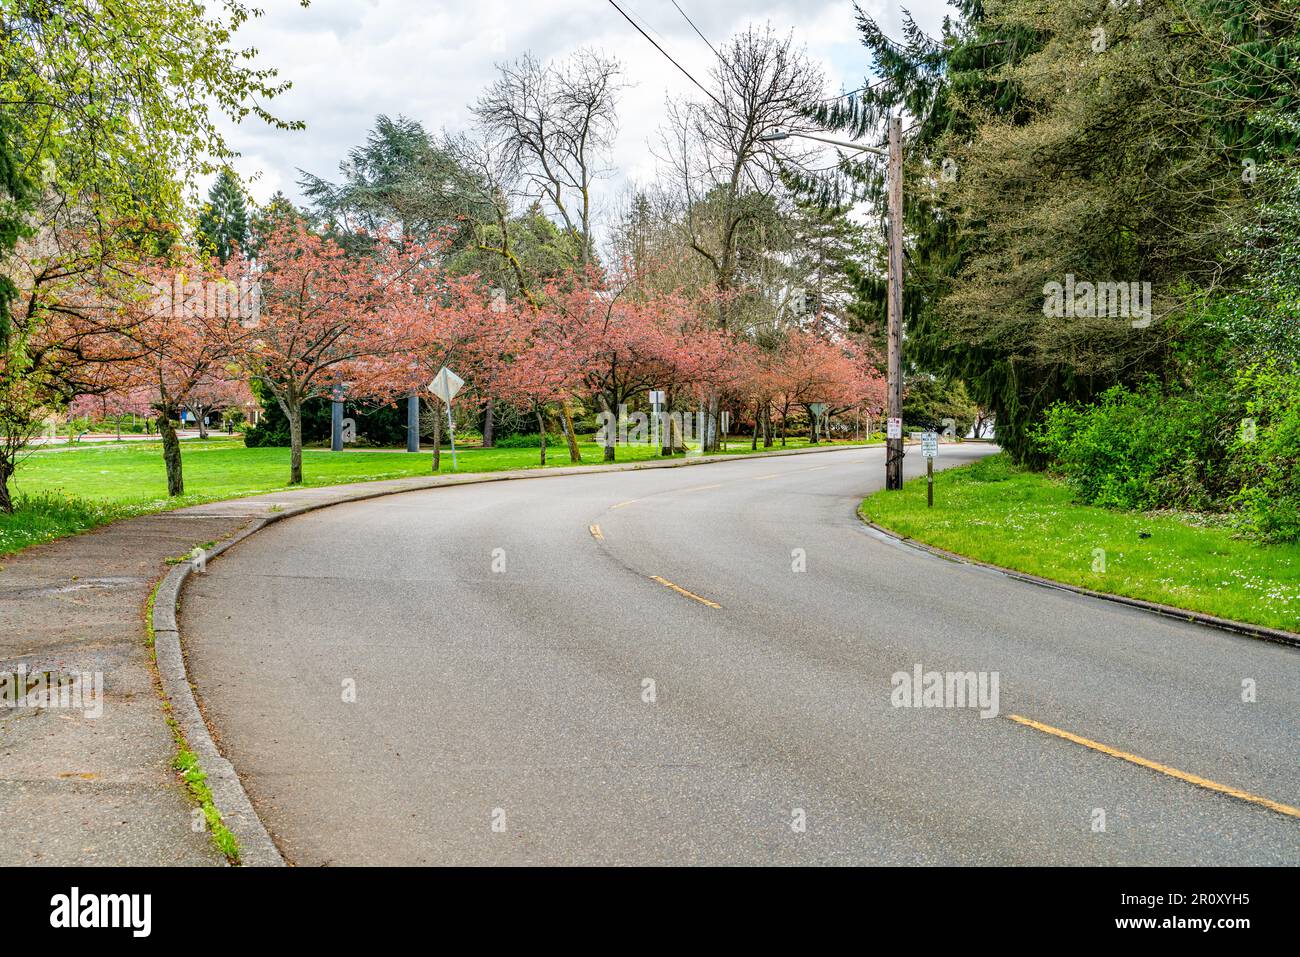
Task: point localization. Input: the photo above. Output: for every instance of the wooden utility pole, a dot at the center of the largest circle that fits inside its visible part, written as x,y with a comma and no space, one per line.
894,447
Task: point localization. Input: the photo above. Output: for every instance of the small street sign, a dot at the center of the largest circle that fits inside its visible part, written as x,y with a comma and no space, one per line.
446,384
929,448
656,397
895,429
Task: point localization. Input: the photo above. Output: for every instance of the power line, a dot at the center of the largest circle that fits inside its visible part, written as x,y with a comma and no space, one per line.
697,30
685,72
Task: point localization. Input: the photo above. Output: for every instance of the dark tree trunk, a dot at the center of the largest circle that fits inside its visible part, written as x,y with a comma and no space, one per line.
294,414
171,445
437,442
541,431
6,470
767,425
611,428
488,426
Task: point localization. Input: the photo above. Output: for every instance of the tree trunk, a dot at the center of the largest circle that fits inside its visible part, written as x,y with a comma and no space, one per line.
611,427
6,470
709,441
488,425
295,444
753,442
199,417
437,441
574,455
541,430
171,445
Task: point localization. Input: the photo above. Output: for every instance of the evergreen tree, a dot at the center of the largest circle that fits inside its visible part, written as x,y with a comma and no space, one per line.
223,224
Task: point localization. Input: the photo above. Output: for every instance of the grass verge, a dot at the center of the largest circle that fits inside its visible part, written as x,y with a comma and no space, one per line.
1026,521
64,491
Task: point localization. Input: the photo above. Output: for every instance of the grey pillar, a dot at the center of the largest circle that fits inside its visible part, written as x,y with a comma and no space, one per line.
413,423
336,422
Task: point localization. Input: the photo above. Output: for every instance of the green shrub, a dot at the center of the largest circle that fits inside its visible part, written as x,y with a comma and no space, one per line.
523,441
1266,454
1142,448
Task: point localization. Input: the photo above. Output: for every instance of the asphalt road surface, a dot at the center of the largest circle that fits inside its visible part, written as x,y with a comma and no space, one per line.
696,665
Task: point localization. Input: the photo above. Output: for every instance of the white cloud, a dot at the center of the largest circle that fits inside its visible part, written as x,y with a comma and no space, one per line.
350,60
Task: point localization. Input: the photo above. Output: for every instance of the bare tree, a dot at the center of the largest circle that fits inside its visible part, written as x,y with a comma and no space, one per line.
556,122
552,124
727,175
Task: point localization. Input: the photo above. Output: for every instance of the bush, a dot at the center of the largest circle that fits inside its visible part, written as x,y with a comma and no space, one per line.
1144,448
521,441
1235,445
1266,454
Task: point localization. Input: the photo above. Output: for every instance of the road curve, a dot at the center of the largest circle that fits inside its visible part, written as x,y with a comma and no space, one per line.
696,666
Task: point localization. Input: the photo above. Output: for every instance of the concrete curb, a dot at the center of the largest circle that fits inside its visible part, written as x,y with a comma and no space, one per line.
256,849
1261,632
228,794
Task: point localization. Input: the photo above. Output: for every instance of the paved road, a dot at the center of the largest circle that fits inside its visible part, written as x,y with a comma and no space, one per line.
501,648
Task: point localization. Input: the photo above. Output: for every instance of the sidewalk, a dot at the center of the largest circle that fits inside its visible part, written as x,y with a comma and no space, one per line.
94,790
78,789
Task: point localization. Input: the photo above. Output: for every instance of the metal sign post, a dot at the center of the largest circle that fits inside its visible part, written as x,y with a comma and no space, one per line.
929,448
445,386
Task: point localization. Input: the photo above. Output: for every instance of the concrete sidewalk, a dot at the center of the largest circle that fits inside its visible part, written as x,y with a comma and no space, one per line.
78,789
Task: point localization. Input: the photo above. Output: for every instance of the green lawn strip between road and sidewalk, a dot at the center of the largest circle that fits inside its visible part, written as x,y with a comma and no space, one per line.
1026,521
63,491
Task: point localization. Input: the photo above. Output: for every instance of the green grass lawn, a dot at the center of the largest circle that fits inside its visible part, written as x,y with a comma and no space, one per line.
1027,522
67,490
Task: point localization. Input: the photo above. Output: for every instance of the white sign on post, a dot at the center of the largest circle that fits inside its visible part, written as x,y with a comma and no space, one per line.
929,444
656,397
895,429
445,385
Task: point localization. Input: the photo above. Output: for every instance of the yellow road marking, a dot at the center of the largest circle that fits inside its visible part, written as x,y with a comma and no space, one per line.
1200,782
596,532
701,488
621,504
817,469
759,478
682,591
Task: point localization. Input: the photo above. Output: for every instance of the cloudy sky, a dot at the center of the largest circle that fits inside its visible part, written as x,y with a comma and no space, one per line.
350,60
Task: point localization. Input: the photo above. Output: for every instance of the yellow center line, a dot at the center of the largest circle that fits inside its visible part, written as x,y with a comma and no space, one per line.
596,533
682,591
817,469
759,478
701,488
621,504
1200,782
